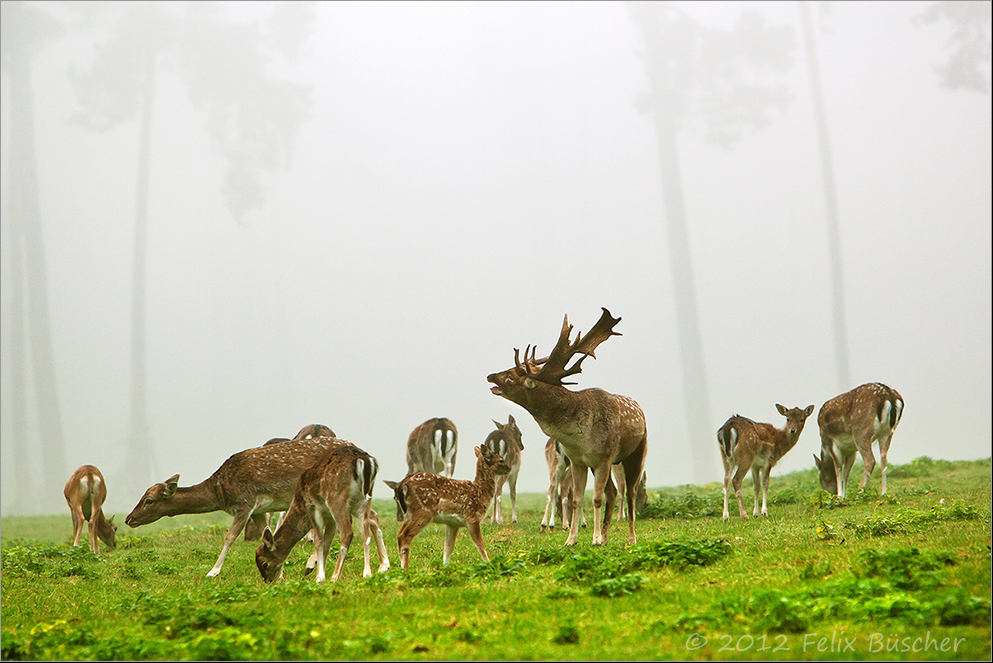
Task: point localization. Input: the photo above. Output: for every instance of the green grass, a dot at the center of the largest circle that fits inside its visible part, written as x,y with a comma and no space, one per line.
874,577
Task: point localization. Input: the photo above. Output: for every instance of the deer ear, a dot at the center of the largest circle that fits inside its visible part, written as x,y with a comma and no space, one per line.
170,485
817,461
809,410
267,540
497,424
510,420
782,410
479,452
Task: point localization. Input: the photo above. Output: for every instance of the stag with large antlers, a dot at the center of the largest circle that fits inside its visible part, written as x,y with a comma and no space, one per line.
247,485
596,428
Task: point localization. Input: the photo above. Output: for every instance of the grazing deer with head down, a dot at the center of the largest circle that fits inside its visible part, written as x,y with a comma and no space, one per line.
423,498
640,490
746,445
506,442
852,422
559,498
247,485
596,428
331,491
432,447
86,491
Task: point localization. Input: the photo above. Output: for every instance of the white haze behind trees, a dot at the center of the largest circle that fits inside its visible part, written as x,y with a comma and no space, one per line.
469,173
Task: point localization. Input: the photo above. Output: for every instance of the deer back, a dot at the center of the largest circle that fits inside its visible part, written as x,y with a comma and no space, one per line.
260,475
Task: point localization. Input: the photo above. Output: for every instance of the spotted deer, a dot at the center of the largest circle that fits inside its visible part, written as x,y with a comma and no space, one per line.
745,445
559,498
432,447
506,442
424,497
329,493
86,491
253,531
596,428
247,485
641,490
852,422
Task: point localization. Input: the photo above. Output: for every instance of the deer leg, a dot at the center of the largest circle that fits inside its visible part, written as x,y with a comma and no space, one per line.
864,444
345,534
844,472
579,472
756,488
765,488
371,524
477,537
728,471
884,448
601,479
255,525
77,524
739,476
550,500
240,518
513,494
497,500
632,476
451,531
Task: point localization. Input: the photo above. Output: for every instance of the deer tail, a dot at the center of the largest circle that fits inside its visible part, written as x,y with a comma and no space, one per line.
366,469
727,437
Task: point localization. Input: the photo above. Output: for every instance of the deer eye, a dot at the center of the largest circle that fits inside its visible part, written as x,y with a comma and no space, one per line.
148,501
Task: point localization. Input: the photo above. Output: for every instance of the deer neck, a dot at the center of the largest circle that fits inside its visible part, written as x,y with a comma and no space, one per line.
485,479
295,526
201,498
552,405
784,442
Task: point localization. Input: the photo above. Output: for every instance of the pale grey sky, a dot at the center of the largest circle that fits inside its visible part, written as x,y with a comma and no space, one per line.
471,172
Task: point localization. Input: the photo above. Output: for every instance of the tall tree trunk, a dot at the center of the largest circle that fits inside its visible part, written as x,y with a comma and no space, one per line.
26,220
140,462
702,449
830,201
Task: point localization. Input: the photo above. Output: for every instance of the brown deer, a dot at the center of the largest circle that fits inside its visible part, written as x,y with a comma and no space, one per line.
746,445
424,497
559,498
432,447
247,485
596,428
852,422
506,441
331,491
641,490
309,431
86,491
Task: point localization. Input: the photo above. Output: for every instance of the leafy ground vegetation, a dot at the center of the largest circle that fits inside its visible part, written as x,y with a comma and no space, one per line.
900,576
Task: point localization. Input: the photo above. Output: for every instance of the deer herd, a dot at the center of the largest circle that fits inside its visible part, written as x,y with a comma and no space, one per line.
320,482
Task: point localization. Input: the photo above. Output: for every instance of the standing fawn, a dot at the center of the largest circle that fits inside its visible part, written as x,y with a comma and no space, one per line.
559,497
423,498
746,444
506,442
640,494
86,492
335,488
852,422
596,428
247,485
432,447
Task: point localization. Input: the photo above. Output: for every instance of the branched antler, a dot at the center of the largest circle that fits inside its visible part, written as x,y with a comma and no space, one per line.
553,367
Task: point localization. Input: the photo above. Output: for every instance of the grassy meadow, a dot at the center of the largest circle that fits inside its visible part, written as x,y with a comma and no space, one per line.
901,576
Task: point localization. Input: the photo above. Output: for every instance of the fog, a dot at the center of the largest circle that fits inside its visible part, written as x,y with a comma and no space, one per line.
464,175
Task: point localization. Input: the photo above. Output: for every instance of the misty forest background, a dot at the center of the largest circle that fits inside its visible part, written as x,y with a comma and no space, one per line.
224,221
